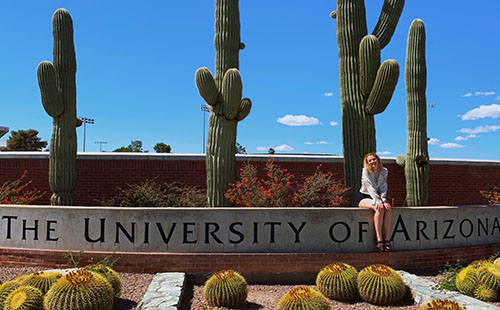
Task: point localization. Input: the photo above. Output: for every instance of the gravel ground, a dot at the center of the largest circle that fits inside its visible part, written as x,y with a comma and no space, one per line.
134,285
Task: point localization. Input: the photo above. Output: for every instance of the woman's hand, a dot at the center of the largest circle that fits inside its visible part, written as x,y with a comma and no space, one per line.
386,205
380,206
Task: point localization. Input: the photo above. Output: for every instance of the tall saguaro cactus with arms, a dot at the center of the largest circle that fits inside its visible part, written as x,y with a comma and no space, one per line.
366,86
223,96
58,91
416,161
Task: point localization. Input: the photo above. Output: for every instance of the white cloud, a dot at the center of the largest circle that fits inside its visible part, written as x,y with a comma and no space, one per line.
328,94
483,111
480,129
451,146
298,120
284,147
460,138
479,93
384,153
332,123
472,136
433,141
317,142
262,148
498,98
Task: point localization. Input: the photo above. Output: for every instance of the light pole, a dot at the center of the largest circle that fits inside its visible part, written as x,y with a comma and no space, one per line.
86,121
205,109
100,144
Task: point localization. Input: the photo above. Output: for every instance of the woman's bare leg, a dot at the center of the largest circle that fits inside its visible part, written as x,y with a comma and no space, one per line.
387,224
378,217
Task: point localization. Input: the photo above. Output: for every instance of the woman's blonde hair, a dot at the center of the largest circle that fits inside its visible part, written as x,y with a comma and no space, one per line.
368,167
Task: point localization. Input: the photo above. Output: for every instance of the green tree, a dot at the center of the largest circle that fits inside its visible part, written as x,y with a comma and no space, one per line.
161,147
271,151
240,149
24,140
135,146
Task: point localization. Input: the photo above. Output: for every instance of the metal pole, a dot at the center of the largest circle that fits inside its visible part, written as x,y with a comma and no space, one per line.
205,109
84,132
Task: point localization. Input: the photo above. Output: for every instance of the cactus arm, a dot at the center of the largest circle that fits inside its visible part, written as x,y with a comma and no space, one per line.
245,106
369,62
383,88
64,47
401,160
206,86
51,97
417,166
231,93
388,20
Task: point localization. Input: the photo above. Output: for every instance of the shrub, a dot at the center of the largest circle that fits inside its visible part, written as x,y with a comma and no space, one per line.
448,277
16,192
279,189
492,196
151,194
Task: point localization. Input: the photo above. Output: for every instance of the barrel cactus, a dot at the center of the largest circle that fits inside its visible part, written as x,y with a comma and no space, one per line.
58,90
110,275
489,275
466,280
485,293
338,281
24,298
226,288
416,161
223,93
381,285
5,289
441,304
81,289
41,280
303,298
366,86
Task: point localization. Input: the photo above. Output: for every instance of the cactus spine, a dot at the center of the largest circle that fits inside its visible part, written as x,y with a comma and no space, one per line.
41,280
303,298
223,96
5,289
366,86
338,281
110,275
380,285
24,298
416,161
58,91
226,288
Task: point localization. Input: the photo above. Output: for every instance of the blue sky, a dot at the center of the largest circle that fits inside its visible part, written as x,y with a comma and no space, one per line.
137,60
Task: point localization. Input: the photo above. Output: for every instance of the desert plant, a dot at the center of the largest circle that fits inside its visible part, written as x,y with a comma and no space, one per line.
441,304
16,192
5,289
366,86
489,275
303,298
58,91
485,293
222,94
24,298
41,280
493,196
380,285
416,161
338,281
81,289
320,190
109,274
466,280
226,288
448,277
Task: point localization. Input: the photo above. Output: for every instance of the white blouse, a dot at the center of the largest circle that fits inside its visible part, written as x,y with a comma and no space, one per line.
375,187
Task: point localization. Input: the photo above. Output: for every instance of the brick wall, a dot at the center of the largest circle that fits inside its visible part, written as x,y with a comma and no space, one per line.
452,182
250,262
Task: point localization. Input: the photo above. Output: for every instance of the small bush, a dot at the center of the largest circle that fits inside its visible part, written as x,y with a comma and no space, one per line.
151,194
448,277
320,190
492,196
16,192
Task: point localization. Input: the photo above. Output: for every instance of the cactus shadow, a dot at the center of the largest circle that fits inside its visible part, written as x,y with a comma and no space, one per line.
124,304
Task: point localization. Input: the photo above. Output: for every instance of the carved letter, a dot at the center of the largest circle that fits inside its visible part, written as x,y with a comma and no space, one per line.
101,237
236,232
362,230
496,225
347,235
471,228
272,224
211,233
421,230
401,223
297,231
448,228
167,238
9,219
119,227
35,229
186,232
50,229
481,226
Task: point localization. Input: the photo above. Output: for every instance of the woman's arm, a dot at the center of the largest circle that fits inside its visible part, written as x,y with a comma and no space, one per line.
383,186
369,183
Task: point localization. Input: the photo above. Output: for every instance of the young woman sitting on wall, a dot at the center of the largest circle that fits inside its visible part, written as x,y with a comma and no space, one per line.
372,195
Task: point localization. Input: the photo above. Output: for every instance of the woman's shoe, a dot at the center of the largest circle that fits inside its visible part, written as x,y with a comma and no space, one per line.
387,245
380,246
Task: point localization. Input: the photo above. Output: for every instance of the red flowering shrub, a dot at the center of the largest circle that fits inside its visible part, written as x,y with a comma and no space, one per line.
15,192
320,190
279,189
493,196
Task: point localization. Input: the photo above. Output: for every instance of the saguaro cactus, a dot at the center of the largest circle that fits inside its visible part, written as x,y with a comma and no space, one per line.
58,90
416,161
366,86
223,96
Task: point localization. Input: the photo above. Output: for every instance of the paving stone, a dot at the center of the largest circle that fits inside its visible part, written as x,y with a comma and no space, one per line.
423,292
164,292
